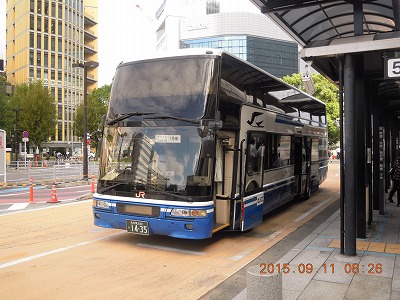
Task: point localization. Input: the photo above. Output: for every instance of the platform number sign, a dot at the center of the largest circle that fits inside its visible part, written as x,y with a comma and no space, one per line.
393,67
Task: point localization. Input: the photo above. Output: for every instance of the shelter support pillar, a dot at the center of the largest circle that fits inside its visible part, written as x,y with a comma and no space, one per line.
354,152
396,14
361,159
377,183
349,157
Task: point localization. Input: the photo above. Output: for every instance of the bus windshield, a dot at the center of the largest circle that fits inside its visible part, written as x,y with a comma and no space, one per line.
183,87
170,163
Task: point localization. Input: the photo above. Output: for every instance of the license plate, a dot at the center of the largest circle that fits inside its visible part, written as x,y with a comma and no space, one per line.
137,227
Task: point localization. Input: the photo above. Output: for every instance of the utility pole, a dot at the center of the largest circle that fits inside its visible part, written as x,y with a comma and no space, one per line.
85,66
15,132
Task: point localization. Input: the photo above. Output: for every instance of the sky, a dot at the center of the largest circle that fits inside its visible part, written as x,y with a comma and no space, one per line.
125,31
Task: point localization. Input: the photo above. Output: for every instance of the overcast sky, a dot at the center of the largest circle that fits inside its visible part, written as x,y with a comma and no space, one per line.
125,32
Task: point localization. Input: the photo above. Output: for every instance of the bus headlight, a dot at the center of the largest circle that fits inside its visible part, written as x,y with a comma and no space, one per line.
181,212
102,204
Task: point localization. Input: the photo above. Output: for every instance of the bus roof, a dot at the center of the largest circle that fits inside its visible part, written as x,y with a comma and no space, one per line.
248,77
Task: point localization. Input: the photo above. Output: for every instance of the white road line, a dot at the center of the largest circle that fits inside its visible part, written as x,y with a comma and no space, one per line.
247,251
244,253
170,249
43,208
315,208
29,258
17,206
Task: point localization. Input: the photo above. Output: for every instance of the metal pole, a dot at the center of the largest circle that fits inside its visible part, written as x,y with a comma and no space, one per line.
26,154
350,156
342,147
85,154
396,14
15,132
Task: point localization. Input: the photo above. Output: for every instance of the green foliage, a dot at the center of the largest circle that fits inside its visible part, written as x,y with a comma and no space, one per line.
38,111
3,102
327,92
97,104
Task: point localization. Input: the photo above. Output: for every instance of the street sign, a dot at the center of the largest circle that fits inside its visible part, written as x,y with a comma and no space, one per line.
25,134
392,66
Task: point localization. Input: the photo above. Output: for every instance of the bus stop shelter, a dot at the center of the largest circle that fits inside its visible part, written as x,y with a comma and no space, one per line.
356,44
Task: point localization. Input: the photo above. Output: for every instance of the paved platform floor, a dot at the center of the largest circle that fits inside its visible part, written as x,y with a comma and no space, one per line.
315,269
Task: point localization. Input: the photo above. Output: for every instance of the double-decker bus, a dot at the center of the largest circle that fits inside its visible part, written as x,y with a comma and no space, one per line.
201,141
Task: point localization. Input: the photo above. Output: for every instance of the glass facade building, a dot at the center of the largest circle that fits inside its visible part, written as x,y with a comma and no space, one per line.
278,58
210,24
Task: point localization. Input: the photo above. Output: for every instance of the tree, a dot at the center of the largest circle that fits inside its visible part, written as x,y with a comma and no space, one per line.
97,104
38,111
327,92
6,113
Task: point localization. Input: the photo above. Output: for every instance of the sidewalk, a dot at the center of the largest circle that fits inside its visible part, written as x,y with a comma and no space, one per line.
317,270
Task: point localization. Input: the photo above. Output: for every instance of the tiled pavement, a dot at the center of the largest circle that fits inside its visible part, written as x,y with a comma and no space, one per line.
315,269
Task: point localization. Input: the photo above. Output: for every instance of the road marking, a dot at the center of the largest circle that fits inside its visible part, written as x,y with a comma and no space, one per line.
17,206
265,240
170,249
315,208
270,237
6,213
29,258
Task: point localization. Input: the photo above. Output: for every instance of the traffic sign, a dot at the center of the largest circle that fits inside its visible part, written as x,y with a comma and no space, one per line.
393,67
25,134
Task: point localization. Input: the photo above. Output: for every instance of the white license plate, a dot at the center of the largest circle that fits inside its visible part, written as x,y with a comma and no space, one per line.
137,227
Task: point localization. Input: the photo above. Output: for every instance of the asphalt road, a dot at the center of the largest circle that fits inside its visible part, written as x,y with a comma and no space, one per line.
56,252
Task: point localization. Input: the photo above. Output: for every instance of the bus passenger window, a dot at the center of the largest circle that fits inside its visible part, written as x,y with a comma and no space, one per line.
253,166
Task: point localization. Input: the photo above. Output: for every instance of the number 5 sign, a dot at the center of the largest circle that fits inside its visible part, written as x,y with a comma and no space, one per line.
393,68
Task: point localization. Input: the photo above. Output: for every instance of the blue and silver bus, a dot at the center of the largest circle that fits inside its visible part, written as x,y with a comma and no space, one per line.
201,141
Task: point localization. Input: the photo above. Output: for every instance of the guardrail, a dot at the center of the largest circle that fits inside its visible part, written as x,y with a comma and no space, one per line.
45,172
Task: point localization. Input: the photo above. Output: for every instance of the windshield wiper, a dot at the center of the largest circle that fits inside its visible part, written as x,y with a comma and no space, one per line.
121,117
110,187
175,118
188,199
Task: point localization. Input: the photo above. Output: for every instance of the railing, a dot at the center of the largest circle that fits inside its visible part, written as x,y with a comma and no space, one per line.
44,172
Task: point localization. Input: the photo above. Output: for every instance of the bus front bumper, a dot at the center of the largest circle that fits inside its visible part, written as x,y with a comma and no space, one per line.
193,228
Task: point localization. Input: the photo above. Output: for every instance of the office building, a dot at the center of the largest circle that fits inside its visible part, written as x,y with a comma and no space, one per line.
250,36
43,39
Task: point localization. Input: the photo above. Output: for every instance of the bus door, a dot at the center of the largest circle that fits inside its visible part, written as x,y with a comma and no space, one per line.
302,165
252,211
253,197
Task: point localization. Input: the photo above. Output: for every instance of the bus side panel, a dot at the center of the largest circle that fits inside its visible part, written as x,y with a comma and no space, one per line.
323,171
252,211
279,187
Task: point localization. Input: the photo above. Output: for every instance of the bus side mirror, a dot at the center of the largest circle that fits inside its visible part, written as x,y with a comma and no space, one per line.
208,149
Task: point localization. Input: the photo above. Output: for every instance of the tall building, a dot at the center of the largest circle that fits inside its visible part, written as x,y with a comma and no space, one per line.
206,24
43,39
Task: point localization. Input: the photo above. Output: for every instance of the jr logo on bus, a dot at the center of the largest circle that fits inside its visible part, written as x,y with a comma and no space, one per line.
253,118
140,195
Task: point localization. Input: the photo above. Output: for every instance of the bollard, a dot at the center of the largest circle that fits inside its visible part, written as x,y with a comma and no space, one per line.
92,183
262,285
31,191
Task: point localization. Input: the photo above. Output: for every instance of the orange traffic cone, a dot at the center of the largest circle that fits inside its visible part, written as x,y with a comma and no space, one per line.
53,198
